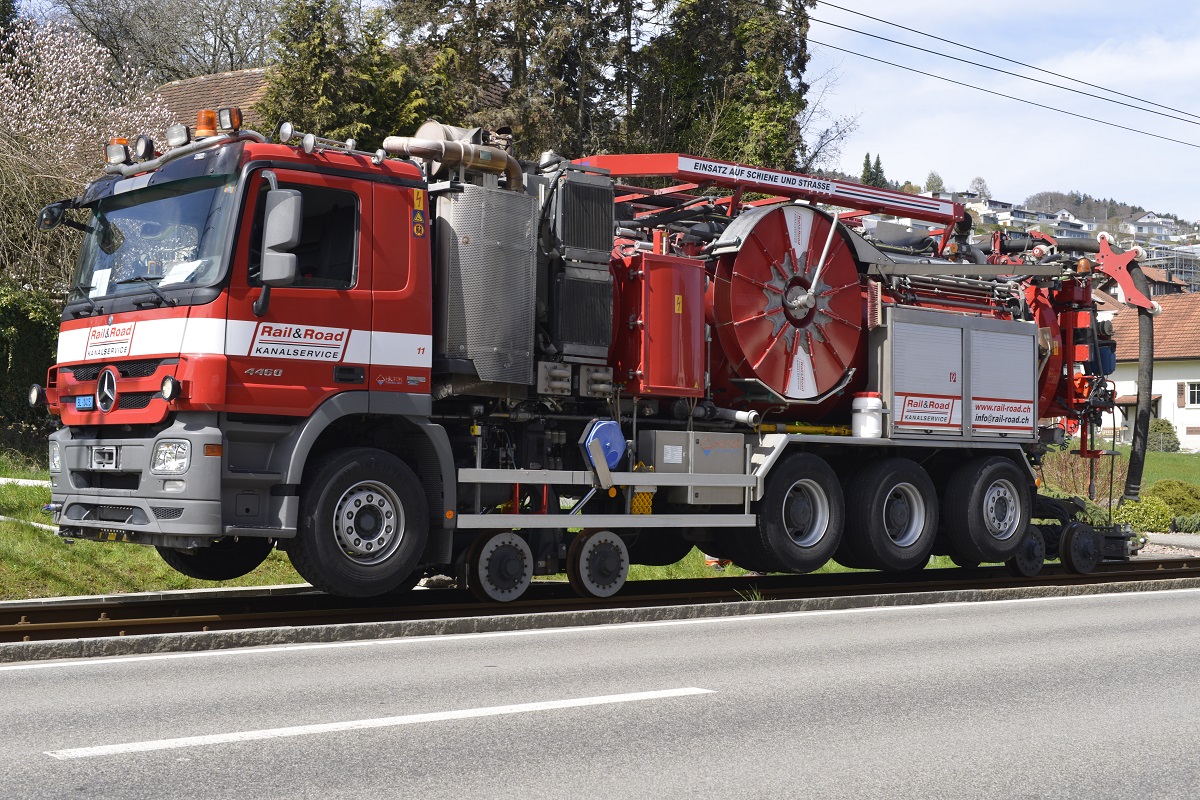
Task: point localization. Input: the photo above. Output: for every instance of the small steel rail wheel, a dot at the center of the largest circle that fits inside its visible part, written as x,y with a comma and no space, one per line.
658,547
1030,556
985,508
499,567
1081,548
364,521
223,560
801,515
597,564
891,515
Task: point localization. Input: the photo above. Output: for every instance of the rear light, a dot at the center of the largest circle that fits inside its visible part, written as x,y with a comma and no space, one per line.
206,123
55,457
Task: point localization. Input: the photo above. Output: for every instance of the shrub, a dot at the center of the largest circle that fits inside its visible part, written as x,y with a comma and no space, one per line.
1151,514
1183,498
1093,514
1071,474
1162,438
1188,524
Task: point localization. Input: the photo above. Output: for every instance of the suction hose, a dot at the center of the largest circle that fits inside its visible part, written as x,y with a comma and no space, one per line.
1145,377
454,154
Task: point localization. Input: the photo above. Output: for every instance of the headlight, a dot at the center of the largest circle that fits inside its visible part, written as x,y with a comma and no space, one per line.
55,457
171,388
170,457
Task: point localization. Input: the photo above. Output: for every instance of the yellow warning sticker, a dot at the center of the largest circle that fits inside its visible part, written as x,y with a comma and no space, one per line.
678,304
418,199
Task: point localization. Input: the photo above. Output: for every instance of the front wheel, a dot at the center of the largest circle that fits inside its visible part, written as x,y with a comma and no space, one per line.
223,560
363,523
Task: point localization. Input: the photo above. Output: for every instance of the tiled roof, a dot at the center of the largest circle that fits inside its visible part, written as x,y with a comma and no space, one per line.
1131,399
242,88
1160,276
1176,330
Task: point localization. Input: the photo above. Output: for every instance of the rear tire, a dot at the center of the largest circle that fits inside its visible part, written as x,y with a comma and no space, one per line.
363,523
223,560
801,515
986,508
891,515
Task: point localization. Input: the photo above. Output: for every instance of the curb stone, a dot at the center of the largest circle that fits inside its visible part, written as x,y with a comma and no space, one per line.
221,640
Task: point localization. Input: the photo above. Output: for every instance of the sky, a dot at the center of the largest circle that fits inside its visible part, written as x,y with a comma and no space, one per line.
917,123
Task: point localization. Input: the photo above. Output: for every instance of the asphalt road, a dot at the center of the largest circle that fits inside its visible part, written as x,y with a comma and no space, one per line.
1075,697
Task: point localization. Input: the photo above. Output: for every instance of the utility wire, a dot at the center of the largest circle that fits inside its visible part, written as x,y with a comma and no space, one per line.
1005,96
1007,72
1010,60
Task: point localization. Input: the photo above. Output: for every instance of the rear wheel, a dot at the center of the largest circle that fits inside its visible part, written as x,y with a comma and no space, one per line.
223,560
891,515
1030,556
801,515
985,509
363,523
1081,548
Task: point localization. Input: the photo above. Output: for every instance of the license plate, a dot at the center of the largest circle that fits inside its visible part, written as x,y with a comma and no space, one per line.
85,402
104,458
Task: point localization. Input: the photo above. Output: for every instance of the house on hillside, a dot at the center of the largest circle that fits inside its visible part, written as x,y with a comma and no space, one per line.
1176,386
1162,282
242,88
1148,225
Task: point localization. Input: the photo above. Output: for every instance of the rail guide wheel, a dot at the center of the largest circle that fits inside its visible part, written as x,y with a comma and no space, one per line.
597,564
499,567
784,317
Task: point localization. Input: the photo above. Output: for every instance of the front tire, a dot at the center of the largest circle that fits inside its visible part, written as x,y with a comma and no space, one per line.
364,521
223,560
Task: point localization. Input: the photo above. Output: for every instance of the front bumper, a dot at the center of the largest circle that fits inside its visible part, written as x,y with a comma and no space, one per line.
125,501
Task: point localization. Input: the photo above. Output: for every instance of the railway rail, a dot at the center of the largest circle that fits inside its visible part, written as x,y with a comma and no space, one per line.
111,616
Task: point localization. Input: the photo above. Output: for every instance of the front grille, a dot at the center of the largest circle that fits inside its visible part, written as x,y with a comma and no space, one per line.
134,400
143,368
105,479
163,512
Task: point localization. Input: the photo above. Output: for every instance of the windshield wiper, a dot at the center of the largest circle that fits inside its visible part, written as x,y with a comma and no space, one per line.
83,293
143,279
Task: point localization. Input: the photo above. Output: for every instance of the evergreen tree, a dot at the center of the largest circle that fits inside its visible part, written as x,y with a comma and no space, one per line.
934,183
877,174
868,173
8,12
338,82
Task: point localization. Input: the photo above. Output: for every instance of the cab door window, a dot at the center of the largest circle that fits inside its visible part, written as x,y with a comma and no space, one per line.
327,255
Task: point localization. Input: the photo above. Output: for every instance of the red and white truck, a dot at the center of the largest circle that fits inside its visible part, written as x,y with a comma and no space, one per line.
436,356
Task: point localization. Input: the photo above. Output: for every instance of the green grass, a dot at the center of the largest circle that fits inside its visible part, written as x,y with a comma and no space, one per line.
1179,466
16,465
36,563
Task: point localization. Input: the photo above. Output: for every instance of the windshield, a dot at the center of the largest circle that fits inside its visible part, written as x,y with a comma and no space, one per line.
169,235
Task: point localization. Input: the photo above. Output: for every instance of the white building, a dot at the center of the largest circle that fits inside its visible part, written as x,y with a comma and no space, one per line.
1176,385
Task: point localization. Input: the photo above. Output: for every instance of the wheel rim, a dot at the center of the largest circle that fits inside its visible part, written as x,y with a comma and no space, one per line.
368,522
806,513
603,564
904,515
505,567
1001,510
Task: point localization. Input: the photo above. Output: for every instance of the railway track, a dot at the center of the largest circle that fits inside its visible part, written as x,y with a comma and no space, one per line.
115,616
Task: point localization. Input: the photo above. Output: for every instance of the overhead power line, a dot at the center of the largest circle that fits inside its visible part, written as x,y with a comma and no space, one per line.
1004,58
1002,94
1008,72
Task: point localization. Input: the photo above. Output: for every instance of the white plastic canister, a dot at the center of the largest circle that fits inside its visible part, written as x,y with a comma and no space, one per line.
867,420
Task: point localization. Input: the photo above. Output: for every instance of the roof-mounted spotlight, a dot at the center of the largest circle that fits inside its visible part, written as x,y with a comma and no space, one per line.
117,151
286,131
229,119
178,135
143,148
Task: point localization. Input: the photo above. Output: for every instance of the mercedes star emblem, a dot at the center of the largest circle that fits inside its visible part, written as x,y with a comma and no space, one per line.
106,389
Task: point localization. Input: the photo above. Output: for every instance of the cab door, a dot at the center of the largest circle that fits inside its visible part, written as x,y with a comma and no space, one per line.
314,340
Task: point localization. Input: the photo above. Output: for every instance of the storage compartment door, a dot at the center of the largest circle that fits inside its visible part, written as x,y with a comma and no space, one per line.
926,379
1003,384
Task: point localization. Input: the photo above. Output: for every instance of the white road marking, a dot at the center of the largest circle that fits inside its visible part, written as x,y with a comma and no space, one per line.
365,724
448,639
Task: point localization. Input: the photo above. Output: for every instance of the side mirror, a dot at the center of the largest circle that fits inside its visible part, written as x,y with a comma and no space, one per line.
50,217
281,232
